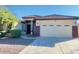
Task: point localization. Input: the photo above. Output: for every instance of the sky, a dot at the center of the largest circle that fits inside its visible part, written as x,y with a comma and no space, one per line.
26,10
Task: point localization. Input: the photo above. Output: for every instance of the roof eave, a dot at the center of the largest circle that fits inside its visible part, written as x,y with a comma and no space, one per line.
56,18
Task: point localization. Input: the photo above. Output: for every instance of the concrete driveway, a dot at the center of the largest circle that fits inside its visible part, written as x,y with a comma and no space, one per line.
67,46
48,41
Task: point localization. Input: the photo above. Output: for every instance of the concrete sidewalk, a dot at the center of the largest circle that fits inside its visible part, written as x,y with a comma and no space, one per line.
40,50
68,47
61,49
71,46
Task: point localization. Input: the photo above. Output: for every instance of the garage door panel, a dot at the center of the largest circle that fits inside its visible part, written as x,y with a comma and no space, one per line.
55,31
47,31
64,31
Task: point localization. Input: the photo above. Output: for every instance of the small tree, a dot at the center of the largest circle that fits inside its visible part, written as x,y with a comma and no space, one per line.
7,19
1,24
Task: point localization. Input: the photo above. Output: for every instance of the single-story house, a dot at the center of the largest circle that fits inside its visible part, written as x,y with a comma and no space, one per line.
51,26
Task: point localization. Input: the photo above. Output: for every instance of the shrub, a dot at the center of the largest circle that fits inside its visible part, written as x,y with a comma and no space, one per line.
2,34
15,33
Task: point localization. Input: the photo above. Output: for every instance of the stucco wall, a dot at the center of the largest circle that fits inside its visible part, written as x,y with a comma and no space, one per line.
55,22
29,19
19,26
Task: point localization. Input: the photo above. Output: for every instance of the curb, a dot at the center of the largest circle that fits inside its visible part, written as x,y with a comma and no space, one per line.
27,37
3,38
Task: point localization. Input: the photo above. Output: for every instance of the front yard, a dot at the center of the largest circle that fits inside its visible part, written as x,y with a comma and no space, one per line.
13,45
39,45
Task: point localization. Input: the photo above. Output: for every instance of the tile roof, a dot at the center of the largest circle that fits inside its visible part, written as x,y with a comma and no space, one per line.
37,17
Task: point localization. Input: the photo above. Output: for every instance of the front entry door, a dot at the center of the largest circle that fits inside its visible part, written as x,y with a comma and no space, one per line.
28,29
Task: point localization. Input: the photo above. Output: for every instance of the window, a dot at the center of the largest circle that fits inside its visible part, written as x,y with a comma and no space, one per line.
51,25
58,25
43,25
66,25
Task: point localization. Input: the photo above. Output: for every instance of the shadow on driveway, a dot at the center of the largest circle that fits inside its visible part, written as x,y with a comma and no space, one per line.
16,41
49,42
43,42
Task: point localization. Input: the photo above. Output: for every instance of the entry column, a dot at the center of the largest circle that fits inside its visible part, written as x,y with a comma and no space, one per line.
31,27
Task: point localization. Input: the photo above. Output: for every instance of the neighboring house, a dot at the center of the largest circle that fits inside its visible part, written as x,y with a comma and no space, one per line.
51,26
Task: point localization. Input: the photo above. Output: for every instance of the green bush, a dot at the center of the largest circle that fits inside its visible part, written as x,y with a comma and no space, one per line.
15,33
2,34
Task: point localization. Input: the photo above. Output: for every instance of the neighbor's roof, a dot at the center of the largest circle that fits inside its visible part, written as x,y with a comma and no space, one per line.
51,17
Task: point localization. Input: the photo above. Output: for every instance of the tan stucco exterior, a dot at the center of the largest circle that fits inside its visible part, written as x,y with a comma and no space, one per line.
56,31
55,22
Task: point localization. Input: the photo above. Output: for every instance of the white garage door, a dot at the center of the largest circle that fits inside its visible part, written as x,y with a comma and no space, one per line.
55,31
